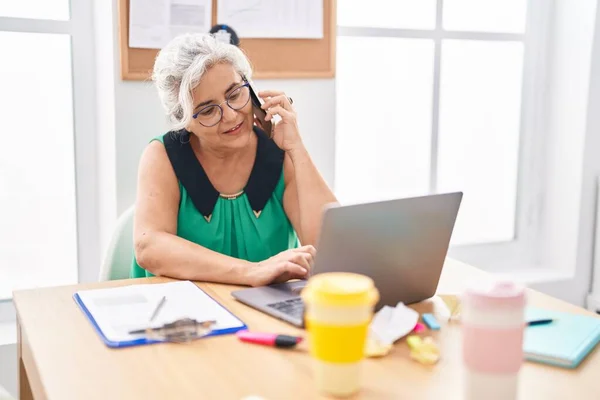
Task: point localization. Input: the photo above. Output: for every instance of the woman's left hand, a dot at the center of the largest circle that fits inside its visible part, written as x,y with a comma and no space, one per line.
285,132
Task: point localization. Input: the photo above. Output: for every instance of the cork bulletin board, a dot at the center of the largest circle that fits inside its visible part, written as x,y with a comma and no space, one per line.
270,58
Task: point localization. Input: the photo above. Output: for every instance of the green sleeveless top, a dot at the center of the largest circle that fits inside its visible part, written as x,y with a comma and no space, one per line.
252,226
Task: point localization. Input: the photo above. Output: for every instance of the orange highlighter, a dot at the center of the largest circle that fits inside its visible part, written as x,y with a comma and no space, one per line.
269,339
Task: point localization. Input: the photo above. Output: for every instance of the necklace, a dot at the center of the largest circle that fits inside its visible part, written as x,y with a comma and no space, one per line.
232,196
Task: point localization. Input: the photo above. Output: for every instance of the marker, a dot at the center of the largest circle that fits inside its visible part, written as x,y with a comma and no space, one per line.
419,327
269,339
540,322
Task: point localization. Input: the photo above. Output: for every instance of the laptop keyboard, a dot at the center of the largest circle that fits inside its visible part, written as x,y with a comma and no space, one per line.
293,307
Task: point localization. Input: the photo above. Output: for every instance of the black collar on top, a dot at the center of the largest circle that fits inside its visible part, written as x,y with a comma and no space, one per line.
264,176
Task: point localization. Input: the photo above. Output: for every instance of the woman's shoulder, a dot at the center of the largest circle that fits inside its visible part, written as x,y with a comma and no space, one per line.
155,166
155,153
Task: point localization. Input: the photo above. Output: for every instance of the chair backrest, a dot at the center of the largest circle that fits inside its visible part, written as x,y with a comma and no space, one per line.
119,255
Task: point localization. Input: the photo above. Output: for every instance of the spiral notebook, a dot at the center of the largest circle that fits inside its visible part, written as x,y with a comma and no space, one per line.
565,342
114,312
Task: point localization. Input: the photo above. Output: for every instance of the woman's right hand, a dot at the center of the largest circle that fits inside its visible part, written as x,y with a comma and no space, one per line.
289,264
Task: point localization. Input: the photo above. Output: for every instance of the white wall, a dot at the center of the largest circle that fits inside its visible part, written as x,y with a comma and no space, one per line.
572,137
591,167
138,118
105,39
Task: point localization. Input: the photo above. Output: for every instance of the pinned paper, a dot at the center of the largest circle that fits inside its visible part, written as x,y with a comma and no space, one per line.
392,323
424,351
222,36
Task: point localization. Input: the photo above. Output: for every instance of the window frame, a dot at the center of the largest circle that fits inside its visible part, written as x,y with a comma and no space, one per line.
78,27
521,251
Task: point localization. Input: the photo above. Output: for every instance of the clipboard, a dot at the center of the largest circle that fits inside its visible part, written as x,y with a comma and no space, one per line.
230,328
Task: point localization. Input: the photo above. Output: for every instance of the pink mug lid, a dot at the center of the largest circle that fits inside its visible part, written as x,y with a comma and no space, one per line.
505,294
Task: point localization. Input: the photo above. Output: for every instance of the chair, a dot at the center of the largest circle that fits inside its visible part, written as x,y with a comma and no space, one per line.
119,255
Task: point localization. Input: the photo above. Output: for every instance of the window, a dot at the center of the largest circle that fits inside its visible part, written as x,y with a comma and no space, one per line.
46,102
430,95
36,9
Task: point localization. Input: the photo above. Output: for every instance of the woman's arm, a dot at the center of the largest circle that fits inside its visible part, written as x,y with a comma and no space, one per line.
159,250
306,192
305,195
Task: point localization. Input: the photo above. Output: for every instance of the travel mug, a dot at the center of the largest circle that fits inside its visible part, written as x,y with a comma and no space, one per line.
493,322
338,310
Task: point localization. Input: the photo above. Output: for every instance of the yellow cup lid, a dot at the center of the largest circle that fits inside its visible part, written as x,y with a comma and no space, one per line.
340,289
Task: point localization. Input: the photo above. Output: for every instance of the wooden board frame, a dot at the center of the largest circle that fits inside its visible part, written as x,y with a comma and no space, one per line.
270,58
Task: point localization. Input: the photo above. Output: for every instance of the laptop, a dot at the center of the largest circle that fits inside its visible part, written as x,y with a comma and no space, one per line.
401,244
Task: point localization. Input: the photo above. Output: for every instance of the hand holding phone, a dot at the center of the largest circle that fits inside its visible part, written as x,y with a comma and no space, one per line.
259,113
277,117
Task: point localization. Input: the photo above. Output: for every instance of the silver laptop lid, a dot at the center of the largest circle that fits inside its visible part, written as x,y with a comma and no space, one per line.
401,244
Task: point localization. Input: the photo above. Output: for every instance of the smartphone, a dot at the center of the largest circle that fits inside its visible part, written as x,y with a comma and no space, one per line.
259,113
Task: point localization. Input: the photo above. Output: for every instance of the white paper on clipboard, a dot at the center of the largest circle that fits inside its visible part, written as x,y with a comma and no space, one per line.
287,19
119,310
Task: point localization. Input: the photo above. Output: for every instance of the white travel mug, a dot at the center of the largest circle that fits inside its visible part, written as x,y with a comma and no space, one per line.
493,322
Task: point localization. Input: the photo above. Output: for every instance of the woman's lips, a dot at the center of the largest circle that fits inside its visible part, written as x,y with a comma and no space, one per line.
236,129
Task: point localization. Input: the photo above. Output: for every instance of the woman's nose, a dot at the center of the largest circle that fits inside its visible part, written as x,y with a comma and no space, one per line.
229,114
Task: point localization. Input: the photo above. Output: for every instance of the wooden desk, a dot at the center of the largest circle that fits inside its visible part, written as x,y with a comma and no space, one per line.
61,357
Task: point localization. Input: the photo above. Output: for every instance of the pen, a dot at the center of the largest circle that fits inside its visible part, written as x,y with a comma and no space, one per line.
269,339
539,322
158,307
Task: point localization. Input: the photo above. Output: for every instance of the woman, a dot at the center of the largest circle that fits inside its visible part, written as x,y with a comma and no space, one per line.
218,200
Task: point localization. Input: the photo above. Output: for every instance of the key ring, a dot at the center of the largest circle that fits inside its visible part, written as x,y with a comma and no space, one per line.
179,331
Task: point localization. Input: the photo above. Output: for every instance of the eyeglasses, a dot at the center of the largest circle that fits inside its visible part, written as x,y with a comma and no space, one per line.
236,100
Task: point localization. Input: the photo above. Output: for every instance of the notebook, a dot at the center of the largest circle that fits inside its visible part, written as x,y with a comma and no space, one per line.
114,312
565,342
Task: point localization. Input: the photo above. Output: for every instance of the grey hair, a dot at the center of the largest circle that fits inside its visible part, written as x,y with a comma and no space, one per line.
179,66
